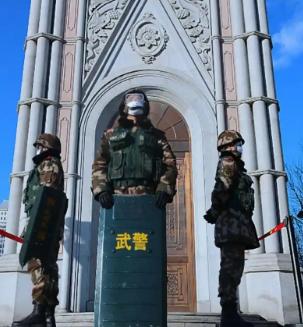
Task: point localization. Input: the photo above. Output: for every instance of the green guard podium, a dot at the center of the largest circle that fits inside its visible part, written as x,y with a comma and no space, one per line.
131,264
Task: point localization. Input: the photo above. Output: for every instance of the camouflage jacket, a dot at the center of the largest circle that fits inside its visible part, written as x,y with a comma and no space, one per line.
48,172
118,171
233,204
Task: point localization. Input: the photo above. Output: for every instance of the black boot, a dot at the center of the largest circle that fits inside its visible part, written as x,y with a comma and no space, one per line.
35,319
50,316
231,318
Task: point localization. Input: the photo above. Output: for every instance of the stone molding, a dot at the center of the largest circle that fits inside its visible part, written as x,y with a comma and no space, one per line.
267,262
249,101
75,176
194,18
103,17
48,36
256,33
244,36
148,38
21,174
73,40
45,101
273,172
261,98
10,263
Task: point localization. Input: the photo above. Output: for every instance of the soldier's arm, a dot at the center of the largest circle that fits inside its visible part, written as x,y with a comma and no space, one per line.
168,179
51,174
100,182
225,179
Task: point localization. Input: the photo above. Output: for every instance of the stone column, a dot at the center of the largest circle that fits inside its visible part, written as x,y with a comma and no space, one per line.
245,112
39,88
218,69
55,68
265,164
73,160
274,121
15,196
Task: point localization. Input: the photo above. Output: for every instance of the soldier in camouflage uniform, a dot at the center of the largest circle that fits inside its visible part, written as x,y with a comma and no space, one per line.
231,212
47,172
135,157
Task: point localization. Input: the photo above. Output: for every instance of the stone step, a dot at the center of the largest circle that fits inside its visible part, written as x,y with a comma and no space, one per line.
174,320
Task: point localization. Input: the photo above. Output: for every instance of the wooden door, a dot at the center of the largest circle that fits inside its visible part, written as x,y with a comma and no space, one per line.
181,288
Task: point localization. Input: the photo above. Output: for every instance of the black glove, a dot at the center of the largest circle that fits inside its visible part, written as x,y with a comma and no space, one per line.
162,198
300,214
106,200
210,216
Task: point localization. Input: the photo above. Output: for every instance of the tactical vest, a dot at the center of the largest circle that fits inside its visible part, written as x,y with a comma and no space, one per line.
242,198
136,158
31,190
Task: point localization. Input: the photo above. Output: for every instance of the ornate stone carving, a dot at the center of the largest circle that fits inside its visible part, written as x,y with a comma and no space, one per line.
148,38
194,17
103,16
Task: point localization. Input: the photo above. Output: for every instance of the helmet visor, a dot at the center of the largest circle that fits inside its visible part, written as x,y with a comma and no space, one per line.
134,100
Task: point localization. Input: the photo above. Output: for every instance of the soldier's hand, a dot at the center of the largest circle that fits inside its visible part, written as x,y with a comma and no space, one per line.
106,200
210,217
162,198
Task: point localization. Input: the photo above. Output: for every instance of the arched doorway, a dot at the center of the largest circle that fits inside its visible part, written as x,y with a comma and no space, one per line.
197,111
181,287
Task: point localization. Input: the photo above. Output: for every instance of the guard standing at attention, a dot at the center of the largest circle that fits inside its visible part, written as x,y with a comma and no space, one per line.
231,212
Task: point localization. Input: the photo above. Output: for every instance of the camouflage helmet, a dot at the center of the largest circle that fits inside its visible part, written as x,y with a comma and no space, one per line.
228,137
49,141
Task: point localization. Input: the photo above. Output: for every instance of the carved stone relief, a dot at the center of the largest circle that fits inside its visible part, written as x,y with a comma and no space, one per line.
103,16
194,17
148,38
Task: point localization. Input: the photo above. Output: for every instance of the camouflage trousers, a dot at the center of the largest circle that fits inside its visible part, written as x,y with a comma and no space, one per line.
45,278
231,270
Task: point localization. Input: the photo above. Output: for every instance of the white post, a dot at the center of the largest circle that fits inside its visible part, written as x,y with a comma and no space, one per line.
274,122
245,113
55,67
218,69
15,196
65,286
267,187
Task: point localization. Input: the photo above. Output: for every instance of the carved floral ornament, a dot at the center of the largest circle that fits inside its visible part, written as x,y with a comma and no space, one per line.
103,16
148,38
194,17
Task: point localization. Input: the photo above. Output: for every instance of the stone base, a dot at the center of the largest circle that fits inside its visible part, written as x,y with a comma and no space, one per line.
268,288
16,290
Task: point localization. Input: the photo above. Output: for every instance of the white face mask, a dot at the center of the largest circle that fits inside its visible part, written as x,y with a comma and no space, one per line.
239,148
135,104
40,149
135,111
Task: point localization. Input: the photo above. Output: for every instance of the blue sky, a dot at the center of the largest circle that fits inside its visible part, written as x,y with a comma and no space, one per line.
286,27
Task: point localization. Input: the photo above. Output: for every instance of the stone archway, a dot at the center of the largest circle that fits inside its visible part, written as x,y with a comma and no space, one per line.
197,111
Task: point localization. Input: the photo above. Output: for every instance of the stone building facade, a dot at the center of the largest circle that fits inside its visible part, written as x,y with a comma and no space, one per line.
206,66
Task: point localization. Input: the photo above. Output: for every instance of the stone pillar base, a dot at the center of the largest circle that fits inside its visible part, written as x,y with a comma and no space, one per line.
16,290
268,288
